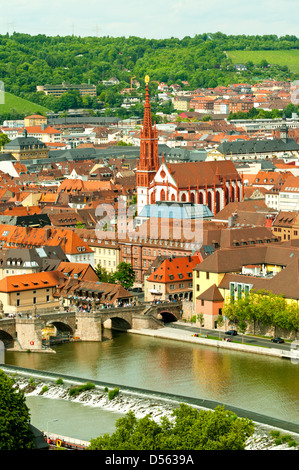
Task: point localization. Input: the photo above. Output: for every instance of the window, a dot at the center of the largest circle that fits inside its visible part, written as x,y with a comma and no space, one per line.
207,275
240,288
232,290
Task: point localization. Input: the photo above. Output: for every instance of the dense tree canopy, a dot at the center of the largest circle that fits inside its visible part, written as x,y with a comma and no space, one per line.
124,275
262,307
27,61
15,433
190,429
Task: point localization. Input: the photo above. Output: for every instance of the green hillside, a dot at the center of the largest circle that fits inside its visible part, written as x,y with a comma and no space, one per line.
290,58
20,106
202,61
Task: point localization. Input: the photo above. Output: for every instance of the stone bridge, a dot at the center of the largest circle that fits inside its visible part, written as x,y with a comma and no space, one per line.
23,333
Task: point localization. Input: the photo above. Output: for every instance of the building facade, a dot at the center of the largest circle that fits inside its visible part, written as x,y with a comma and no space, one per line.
26,148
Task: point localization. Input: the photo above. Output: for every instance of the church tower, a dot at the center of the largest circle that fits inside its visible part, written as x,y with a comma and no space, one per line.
284,129
148,163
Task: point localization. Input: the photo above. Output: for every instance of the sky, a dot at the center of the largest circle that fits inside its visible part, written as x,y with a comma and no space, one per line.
152,19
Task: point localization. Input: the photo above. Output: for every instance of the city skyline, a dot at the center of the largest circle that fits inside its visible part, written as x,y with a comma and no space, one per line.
156,20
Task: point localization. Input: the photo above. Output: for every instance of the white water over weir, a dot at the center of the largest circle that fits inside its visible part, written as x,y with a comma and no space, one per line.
141,402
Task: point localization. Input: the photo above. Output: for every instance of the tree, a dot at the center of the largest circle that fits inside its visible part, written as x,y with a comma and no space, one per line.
190,429
3,140
80,224
220,322
15,433
103,274
200,318
262,307
125,275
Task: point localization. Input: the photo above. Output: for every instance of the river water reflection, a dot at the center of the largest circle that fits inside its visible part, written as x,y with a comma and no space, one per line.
261,384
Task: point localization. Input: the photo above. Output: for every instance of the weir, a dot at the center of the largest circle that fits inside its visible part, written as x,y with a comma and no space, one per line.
165,399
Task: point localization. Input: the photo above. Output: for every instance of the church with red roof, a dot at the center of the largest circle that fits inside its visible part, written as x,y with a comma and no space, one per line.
212,183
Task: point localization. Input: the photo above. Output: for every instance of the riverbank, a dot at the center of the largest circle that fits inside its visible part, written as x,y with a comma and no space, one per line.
187,336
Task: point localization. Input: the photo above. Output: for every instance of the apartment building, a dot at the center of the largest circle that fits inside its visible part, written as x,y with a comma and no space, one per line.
231,273
181,103
58,90
26,148
172,280
24,292
74,248
35,120
286,225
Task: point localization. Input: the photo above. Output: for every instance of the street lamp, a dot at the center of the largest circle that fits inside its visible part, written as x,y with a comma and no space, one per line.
51,421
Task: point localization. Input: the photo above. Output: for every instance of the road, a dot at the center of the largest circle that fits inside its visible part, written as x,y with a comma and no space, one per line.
248,339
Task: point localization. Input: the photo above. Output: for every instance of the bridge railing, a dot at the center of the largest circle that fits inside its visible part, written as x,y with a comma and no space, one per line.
36,312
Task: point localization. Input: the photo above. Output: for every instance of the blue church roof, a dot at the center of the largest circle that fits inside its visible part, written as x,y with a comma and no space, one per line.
176,210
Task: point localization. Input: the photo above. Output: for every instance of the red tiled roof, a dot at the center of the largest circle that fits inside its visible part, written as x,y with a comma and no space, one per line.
31,237
35,116
23,282
39,130
175,269
200,173
291,184
69,185
20,211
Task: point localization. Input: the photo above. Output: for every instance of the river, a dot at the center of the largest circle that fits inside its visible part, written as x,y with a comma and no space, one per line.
262,384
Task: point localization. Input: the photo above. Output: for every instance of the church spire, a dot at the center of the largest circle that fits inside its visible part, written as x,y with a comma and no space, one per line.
148,163
147,118
149,159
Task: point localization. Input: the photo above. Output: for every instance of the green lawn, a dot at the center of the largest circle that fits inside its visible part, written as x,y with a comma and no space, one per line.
20,105
289,58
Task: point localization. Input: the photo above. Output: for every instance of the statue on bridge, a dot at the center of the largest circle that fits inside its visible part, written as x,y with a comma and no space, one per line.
61,303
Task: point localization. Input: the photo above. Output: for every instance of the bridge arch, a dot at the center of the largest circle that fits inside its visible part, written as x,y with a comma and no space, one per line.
59,328
6,339
117,323
167,316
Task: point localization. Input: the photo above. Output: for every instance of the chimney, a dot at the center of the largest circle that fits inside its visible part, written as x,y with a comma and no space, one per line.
232,220
47,233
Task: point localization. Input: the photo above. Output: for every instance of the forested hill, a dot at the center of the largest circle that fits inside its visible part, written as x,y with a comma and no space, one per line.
203,60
